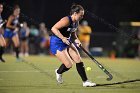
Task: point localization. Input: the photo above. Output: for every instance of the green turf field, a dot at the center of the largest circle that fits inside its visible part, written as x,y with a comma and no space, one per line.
37,76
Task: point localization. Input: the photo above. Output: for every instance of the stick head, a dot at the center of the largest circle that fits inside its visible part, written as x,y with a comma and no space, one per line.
109,78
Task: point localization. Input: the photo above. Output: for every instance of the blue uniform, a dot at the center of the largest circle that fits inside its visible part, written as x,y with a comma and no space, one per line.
42,35
43,39
22,32
22,35
9,33
56,43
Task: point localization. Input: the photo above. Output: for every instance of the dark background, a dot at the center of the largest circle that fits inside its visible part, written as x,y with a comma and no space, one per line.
50,11
101,14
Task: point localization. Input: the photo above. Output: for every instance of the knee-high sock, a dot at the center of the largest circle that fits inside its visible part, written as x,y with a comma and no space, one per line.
17,52
1,51
62,69
81,71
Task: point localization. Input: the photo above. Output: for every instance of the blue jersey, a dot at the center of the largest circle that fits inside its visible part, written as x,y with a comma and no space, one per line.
22,32
66,31
56,43
15,21
9,32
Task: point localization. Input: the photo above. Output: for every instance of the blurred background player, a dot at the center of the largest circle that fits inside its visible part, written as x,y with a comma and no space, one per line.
44,37
34,40
65,30
84,35
2,41
24,35
11,31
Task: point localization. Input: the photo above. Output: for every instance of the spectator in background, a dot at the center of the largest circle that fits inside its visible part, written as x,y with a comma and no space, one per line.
34,40
34,31
132,48
138,40
24,34
44,37
84,35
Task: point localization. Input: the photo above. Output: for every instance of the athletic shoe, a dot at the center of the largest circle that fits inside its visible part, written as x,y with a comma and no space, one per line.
26,54
21,54
88,84
58,77
2,60
19,60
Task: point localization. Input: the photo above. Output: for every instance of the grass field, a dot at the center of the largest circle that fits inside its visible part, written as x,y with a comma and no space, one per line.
37,76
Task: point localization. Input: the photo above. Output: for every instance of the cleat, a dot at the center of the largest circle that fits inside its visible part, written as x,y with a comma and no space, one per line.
88,84
58,77
19,60
2,60
26,54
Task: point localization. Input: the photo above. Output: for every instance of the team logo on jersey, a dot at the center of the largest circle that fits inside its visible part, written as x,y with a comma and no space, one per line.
71,29
15,21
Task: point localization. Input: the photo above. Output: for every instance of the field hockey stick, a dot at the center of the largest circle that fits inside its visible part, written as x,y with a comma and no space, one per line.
2,23
99,65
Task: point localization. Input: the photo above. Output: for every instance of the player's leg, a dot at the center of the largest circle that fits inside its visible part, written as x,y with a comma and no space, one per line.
15,40
42,45
22,48
2,46
67,64
26,48
75,56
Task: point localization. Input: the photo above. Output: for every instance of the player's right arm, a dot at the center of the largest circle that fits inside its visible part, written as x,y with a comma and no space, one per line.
64,22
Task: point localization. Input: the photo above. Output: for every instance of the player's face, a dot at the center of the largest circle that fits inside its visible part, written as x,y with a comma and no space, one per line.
16,11
1,8
79,16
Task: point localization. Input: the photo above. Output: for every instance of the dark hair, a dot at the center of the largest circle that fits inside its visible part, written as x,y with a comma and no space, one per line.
16,7
76,8
1,4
